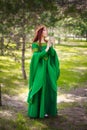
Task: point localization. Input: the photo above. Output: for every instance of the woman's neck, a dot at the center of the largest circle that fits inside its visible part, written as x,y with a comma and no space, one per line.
42,40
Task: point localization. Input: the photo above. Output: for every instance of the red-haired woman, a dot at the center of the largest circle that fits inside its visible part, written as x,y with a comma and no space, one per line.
44,73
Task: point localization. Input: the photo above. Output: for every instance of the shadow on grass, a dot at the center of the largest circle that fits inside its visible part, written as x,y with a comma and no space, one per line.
12,81
11,76
7,124
72,78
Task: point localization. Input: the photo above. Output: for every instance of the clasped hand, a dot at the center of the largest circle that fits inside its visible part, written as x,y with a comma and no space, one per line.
49,44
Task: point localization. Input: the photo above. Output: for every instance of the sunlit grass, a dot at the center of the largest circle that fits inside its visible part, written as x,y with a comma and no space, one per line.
73,68
79,40
73,74
11,76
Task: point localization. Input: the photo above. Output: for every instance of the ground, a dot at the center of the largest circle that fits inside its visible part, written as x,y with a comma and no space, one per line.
72,92
72,113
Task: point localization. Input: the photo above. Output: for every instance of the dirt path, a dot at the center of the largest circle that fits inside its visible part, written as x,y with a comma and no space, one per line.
76,109
72,106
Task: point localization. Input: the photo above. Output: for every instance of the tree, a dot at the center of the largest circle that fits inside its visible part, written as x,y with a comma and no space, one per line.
19,17
0,96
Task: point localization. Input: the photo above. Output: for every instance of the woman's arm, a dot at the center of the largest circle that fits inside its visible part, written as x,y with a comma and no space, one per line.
35,49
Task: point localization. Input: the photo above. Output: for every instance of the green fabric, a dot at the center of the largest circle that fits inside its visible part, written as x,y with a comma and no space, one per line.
44,73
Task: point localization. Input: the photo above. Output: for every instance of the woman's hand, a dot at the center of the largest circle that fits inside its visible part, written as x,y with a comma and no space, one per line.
48,45
47,48
50,42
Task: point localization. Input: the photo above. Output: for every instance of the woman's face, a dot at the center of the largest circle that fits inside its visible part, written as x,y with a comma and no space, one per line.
45,32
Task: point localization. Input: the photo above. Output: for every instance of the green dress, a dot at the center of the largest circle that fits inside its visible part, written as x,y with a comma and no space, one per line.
43,76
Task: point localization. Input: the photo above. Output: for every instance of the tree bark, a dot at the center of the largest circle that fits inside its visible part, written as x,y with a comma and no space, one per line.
86,35
2,45
23,57
0,96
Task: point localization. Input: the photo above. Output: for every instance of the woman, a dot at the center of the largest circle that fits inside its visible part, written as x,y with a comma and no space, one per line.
44,73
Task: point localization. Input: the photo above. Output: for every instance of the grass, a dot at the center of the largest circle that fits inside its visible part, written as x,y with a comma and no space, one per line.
64,105
11,76
76,40
73,67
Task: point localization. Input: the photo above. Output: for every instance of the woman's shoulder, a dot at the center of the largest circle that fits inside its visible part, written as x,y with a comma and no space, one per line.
34,44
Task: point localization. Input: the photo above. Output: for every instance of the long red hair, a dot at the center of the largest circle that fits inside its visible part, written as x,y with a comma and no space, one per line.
38,35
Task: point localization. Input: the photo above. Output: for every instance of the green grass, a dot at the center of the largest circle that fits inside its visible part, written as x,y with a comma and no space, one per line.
76,40
11,76
73,68
64,105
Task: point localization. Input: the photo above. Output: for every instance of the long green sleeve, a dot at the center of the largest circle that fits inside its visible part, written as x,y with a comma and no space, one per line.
37,52
34,67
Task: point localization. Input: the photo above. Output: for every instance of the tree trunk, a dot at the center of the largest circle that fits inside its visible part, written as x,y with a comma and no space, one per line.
17,44
86,35
23,58
0,96
2,45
